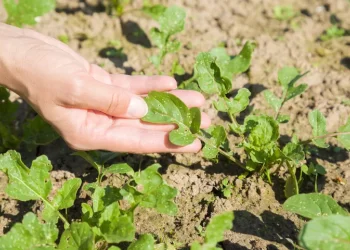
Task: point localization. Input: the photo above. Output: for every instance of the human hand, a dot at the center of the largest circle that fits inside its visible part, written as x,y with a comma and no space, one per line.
90,108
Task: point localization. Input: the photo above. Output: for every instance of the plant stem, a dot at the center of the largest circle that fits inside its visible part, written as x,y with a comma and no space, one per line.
65,222
188,81
222,152
296,184
325,136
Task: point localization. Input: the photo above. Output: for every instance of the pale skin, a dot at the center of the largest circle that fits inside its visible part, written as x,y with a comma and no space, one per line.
90,108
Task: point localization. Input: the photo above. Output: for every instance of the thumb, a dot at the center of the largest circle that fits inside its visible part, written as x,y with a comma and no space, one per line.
109,99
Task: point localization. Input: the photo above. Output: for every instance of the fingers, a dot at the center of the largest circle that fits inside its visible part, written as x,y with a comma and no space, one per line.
143,84
189,97
135,123
108,99
133,140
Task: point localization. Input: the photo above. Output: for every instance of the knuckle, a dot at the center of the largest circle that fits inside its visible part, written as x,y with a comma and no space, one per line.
117,104
75,91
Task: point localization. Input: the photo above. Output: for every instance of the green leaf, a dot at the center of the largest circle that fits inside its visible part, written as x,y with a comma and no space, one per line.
222,59
214,232
149,178
290,187
31,234
217,137
313,205
235,105
209,77
344,139
283,118
120,168
177,69
172,20
156,193
332,33
114,248
26,184
166,108
154,11
286,75
262,130
145,242
284,13
294,152
25,11
295,91
64,198
38,132
325,233
318,123
78,236
66,195
241,62
118,229
272,100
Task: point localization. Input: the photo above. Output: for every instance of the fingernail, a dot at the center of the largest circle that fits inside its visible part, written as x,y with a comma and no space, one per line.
137,107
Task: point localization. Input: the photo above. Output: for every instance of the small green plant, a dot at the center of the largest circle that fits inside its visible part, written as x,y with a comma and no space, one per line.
329,225
171,21
284,13
226,188
26,11
63,39
214,232
332,33
117,6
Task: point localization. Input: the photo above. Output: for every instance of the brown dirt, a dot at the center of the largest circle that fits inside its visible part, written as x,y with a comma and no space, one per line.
260,222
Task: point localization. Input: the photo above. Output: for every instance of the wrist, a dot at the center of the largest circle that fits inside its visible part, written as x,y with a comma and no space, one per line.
9,61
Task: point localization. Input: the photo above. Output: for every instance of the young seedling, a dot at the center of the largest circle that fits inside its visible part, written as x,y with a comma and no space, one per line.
117,6
171,21
332,33
284,13
27,11
329,225
258,134
214,232
226,188
104,221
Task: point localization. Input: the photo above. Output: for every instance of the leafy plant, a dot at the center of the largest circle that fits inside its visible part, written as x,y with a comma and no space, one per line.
214,232
214,70
329,227
117,6
171,21
103,222
284,13
333,33
226,188
26,11
258,135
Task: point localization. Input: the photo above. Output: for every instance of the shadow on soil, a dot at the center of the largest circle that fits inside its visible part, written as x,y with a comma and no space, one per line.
84,7
269,226
135,34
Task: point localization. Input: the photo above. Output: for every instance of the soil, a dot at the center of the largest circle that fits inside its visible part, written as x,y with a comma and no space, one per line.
260,221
